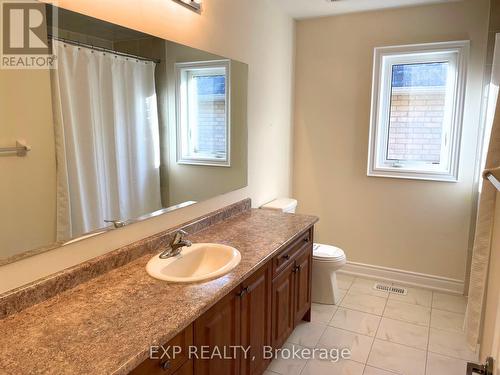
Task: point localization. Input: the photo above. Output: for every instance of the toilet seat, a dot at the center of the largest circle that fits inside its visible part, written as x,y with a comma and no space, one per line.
327,253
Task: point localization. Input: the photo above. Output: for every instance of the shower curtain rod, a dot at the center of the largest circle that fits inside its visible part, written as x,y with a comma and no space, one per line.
102,49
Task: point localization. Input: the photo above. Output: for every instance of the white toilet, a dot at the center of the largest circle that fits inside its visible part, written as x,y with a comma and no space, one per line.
327,260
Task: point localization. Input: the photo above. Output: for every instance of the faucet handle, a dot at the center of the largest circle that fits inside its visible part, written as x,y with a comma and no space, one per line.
179,235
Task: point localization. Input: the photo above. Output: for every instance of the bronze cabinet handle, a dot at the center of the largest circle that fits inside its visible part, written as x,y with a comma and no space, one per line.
286,256
165,365
297,268
243,292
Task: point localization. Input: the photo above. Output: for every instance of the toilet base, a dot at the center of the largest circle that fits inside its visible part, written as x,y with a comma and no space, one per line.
324,288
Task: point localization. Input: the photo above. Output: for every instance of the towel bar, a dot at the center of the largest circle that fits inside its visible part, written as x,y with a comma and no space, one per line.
492,179
20,149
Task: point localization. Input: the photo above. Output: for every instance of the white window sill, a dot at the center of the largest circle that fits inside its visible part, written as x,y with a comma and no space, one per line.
205,162
408,174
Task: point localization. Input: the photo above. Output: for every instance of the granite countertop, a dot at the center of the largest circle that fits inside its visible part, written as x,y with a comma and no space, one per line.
106,325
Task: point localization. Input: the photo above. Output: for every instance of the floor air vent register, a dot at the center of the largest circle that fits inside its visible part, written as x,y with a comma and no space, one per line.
391,289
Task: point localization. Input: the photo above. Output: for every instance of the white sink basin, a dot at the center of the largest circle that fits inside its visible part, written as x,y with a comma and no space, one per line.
201,261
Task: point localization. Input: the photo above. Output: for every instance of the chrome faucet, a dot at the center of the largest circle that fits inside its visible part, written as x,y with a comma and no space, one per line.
175,247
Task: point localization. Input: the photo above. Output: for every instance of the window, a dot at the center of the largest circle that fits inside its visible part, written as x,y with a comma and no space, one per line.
417,106
203,131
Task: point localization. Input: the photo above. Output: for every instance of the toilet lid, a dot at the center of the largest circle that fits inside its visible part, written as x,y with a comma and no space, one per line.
327,253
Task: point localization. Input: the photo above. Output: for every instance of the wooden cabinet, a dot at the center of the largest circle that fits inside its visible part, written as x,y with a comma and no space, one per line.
283,293
302,271
219,329
243,318
287,256
262,311
186,369
169,363
292,295
256,320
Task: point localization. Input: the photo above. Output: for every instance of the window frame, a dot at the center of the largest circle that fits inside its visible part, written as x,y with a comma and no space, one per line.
456,54
183,70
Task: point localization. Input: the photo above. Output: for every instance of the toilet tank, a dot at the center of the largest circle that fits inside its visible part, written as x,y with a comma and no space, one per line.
282,204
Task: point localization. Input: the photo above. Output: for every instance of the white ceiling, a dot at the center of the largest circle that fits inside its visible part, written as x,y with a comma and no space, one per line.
318,8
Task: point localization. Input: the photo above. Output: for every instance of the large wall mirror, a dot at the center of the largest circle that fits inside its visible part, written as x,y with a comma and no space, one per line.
127,126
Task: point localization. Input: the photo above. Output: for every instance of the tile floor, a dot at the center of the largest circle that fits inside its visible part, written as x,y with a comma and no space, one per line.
417,334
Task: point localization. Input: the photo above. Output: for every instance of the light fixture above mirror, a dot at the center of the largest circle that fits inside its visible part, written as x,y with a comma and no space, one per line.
194,5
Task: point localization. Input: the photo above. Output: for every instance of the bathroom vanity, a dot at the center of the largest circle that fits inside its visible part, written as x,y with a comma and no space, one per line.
262,311
108,323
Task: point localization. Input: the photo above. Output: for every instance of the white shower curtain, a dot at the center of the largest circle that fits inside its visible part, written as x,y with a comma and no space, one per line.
107,139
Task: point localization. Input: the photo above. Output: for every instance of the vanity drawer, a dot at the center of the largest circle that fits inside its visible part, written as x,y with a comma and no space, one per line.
286,256
170,366
186,369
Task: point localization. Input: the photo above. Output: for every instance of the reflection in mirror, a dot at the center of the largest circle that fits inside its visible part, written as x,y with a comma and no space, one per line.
202,103
128,126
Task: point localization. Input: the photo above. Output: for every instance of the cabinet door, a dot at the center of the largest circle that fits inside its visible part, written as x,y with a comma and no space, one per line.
219,328
256,320
186,369
170,363
283,306
302,270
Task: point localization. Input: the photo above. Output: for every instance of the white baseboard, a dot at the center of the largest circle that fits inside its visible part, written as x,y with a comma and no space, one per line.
409,278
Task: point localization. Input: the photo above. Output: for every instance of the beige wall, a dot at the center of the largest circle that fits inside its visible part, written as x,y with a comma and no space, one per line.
418,226
255,32
28,202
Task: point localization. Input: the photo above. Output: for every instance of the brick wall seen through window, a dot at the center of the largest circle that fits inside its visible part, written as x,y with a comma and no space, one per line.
417,112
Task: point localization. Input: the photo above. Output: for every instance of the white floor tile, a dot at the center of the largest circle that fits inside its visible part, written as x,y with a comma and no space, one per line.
397,358
286,365
322,313
415,296
341,294
364,302
441,365
449,302
403,333
375,371
267,372
365,286
409,313
448,321
307,334
452,344
342,367
344,281
334,338
355,321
